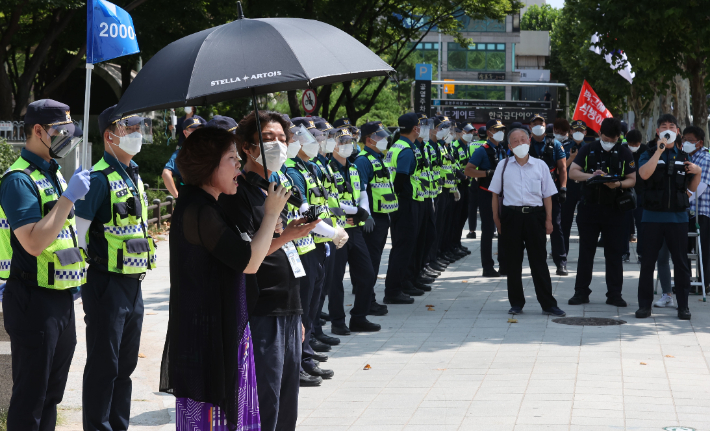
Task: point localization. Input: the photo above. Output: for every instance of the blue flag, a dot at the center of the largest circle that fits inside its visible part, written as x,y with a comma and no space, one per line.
109,32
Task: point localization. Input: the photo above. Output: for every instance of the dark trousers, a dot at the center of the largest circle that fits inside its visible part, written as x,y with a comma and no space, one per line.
590,224
676,236
628,225
473,192
487,229
704,223
113,305
277,358
638,214
521,232
459,211
427,235
42,330
446,244
574,194
327,282
362,277
557,238
443,222
376,241
311,286
407,239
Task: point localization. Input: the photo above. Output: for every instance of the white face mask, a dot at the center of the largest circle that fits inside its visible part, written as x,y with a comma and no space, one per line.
498,136
688,147
538,130
330,145
188,110
275,155
560,138
578,136
381,144
441,133
671,138
293,149
130,143
521,150
607,145
468,137
311,149
345,150
424,132
634,149
449,138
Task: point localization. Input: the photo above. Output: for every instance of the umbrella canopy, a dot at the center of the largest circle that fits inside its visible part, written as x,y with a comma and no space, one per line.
247,57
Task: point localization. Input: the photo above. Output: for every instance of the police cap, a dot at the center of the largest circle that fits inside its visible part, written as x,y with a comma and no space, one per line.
47,112
408,120
223,122
494,124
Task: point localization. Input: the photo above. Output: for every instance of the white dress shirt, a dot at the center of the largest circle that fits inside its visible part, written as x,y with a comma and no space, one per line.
526,185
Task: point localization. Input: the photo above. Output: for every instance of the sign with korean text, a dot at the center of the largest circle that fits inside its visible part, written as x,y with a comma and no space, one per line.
491,76
422,97
505,115
423,72
590,108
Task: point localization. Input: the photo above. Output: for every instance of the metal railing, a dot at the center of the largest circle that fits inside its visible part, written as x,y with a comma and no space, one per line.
12,131
155,209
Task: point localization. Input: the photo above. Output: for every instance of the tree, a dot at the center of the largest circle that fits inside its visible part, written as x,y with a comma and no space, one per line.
539,18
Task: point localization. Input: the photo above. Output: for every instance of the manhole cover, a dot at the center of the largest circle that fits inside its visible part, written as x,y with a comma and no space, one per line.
588,321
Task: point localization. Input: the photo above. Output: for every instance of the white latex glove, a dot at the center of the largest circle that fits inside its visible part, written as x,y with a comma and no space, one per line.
340,238
457,194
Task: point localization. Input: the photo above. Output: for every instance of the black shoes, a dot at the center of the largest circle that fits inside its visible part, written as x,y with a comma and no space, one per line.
428,272
412,291
471,235
421,286
684,314
437,267
318,346
442,262
578,299
451,256
490,272
502,272
307,380
364,325
425,280
554,311
321,322
339,329
320,358
318,372
625,258
643,313
325,316
515,310
617,302
399,299
377,309
327,339
464,250
562,270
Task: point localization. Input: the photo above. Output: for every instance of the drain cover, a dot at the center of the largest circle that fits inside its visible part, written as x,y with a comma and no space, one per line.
588,321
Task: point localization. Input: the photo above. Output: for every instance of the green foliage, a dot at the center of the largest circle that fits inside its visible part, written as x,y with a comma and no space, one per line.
3,420
7,155
539,18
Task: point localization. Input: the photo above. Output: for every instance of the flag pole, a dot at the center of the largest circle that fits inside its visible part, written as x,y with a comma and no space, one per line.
85,150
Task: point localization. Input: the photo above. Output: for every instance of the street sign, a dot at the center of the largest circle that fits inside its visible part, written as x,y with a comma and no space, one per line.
506,115
472,103
449,88
422,97
423,72
309,101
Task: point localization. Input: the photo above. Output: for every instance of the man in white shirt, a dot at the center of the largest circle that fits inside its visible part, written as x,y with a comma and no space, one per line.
524,220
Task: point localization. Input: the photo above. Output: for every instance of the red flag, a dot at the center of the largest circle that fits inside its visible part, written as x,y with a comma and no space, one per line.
590,108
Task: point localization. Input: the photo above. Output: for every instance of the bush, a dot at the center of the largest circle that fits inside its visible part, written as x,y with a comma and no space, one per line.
7,155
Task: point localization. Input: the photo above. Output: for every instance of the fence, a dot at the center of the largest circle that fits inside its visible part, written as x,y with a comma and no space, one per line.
154,209
12,130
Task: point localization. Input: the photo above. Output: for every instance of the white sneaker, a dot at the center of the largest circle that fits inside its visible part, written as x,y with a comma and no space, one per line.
665,301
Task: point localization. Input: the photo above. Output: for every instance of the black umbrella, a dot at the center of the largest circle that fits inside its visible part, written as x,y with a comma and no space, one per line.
248,57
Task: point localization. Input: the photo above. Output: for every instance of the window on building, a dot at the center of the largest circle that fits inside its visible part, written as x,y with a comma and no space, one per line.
478,93
482,25
489,57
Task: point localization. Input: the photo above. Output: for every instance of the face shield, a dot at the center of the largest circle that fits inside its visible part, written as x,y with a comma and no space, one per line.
356,133
425,125
443,130
344,142
132,132
330,142
63,138
305,140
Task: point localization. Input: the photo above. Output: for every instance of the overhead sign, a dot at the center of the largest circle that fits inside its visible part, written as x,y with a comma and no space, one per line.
489,76
472,103
506,115
590,108
534,75
422,97
423,72
309,101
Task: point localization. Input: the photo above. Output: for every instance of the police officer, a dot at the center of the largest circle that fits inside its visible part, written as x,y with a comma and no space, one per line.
40,251
460,153
574,188
354,202
405,161
473,189
637,148
112,221
170,172
550,151
668,176
482,165
222,122
599,211
380,196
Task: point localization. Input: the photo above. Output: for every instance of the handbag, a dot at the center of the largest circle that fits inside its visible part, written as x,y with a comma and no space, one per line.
627,200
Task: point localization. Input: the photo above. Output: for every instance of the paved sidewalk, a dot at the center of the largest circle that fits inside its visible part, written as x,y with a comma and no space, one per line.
451,361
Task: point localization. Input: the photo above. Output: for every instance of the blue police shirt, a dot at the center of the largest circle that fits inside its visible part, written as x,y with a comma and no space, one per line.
406,161
558,151
365,167
97,202
479,158
567,146
346,174
172,166
668,156
21,201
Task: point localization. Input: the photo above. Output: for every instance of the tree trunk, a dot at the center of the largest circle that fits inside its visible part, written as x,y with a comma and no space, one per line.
645,111
681,101
293,104
323,100
697,73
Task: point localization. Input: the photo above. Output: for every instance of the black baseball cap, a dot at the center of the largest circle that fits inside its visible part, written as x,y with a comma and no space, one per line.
322,124
494,124
307,122
408,120
421,115
223,122
537,117
370,127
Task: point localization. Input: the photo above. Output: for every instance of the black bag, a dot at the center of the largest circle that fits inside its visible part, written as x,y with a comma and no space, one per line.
626,201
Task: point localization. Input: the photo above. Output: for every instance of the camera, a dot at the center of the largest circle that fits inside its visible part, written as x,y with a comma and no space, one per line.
312,213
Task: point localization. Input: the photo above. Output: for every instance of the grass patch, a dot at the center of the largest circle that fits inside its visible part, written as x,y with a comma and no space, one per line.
3,420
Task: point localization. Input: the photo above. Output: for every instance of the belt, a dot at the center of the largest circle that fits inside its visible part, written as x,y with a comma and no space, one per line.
526,210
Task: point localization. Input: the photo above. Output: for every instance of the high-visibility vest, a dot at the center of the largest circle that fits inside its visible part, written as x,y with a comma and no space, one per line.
316,195
349,191
383,198
419,179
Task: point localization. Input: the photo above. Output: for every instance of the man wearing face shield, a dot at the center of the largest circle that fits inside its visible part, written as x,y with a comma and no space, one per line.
578,129
354,202
670,178
112,225
171,174
599,211
482,165
380,196
460,152
42,264
549,150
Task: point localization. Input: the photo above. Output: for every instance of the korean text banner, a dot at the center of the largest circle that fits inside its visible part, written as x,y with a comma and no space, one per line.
590,108
110,32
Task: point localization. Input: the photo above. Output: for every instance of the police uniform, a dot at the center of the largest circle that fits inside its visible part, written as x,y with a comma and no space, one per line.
597,213
474,188
574,188
460,153
429,178
550,151
120,252
193,122
486,158
38,301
